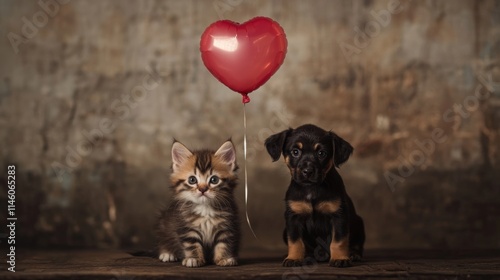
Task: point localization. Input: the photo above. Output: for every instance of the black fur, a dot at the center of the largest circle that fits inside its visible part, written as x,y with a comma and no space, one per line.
311,154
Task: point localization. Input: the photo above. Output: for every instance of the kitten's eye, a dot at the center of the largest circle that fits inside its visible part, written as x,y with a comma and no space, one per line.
192,180
214,180
321,154
295,152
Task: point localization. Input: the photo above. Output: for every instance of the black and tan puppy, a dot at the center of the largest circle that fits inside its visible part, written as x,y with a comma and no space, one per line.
318,209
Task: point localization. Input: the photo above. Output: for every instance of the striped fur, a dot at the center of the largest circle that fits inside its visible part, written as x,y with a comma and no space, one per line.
201,224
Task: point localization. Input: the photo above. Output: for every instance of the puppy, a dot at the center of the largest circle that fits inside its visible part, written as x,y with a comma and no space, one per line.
319,214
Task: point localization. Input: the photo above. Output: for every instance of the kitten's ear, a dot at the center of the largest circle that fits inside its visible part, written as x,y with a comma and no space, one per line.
274,144
179,155
342,149
227,153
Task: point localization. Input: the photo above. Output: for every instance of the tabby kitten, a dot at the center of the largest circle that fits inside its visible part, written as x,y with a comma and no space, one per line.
201,224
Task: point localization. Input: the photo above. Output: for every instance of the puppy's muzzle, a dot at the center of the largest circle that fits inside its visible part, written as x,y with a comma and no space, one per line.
308,172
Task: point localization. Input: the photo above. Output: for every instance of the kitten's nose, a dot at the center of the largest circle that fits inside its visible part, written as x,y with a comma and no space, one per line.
203,188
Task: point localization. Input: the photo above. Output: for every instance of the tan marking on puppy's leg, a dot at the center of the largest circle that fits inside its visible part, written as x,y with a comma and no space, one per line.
328,207
300,207
339,252
296,250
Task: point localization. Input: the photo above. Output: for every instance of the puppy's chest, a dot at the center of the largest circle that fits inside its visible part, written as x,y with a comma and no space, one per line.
310,196
311,203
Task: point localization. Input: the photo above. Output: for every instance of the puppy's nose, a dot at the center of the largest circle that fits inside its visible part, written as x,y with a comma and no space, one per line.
308,171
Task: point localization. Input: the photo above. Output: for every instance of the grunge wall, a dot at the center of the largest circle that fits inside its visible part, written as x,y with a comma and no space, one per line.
93,92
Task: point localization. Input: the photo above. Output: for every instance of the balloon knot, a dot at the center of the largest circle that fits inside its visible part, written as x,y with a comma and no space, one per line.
246,99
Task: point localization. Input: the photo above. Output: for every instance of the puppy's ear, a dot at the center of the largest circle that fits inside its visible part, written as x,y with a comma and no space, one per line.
274,144
342,149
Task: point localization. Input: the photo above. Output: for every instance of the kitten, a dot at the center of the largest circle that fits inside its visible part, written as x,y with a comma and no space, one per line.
201,224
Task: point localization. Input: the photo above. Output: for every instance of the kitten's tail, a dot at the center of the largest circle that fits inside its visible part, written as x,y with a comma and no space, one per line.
149,253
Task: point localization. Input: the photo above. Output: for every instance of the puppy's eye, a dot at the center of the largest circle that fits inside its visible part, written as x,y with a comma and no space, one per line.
295,152
214,180
321,154
192,180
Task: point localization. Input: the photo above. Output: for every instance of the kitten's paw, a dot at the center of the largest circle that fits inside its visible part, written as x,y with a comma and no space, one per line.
340,263
193,262
167,257
226,262
291,262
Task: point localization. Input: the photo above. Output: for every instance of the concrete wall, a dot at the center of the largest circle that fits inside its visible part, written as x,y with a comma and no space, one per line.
92,94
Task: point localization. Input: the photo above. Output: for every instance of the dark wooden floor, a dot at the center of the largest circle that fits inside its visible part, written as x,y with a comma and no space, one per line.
379,264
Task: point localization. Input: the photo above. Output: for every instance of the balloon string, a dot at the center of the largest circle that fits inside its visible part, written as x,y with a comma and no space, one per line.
246,173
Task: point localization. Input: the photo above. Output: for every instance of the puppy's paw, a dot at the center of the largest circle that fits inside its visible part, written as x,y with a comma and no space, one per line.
226,262
167,257
291,262
340,263
355,257
356,253
193,262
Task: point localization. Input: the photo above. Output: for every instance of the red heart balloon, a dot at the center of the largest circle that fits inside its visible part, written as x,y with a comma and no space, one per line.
243,56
